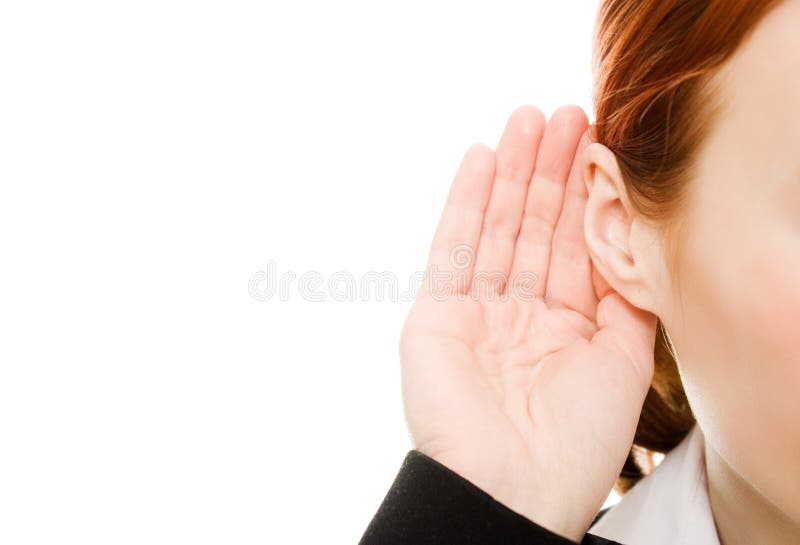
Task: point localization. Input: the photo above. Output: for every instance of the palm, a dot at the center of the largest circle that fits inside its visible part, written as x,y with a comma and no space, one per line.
515,353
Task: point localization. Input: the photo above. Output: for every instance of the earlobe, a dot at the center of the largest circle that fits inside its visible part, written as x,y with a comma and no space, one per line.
608,227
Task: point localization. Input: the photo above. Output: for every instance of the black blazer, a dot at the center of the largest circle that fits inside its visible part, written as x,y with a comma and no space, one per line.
429,504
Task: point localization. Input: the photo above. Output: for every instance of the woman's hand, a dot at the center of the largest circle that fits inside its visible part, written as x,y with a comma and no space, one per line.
523,371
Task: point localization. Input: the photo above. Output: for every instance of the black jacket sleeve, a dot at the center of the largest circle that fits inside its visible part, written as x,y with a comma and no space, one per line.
429,504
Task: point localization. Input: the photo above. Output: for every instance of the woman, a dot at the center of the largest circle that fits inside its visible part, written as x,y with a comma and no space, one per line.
597,294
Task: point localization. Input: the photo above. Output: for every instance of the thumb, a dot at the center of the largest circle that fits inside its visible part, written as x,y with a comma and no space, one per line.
601,286
628,332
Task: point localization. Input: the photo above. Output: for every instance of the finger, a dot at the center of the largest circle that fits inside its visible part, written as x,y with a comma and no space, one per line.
545,197
629,332
451,260
569,278
601,285
515,157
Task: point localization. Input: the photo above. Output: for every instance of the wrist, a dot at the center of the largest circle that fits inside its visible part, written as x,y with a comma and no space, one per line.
541,504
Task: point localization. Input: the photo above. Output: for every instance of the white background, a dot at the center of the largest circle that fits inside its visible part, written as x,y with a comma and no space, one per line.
153,157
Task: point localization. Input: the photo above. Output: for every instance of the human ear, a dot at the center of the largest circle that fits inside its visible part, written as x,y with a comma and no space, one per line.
612,231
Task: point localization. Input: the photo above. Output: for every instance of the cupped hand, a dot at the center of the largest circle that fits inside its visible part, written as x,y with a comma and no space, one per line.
523,371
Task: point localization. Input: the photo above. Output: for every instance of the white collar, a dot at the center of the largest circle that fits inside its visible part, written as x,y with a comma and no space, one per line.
668,507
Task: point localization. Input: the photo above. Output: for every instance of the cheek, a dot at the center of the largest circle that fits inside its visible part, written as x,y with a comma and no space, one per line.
764,409
762,367
771,305
738,336
742,367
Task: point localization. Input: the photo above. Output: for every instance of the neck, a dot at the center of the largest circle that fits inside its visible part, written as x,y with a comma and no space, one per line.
742,514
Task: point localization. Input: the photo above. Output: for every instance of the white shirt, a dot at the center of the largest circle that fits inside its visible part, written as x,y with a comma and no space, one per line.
668,507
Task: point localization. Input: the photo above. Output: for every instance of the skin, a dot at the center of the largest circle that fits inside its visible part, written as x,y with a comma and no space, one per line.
535,396
737,334
735,325
512,390
734,321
